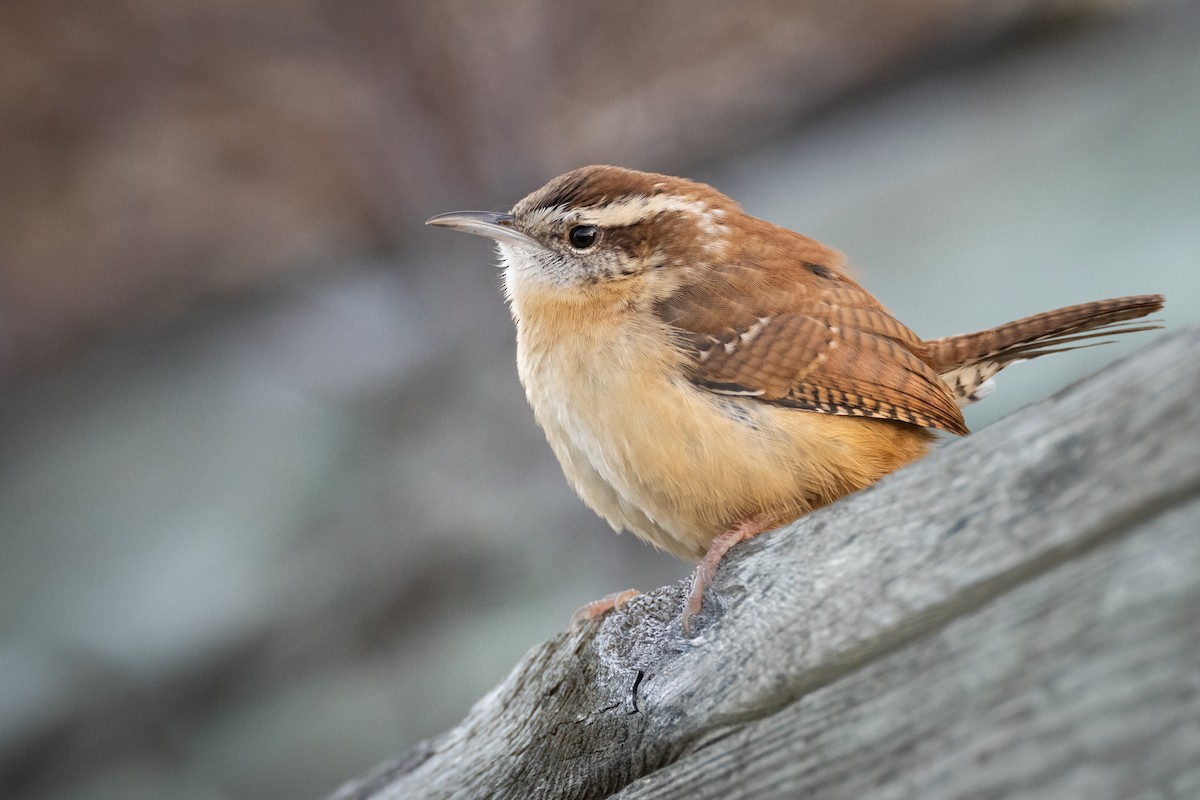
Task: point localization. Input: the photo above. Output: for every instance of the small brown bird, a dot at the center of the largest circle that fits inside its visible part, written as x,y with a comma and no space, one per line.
704,376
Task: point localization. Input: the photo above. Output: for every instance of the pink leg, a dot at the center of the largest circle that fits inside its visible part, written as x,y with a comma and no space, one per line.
706,570
597,608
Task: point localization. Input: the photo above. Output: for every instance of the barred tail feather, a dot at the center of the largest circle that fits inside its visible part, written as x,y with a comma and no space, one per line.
967,362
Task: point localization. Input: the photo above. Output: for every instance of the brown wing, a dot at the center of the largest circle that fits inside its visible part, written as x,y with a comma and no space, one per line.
807,337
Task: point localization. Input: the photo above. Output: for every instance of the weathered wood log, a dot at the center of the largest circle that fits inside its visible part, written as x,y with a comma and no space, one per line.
1016,615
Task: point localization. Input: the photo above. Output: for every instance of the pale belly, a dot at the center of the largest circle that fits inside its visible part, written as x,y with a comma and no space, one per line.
674,464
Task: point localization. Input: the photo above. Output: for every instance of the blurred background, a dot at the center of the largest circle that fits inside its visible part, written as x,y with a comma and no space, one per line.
272,506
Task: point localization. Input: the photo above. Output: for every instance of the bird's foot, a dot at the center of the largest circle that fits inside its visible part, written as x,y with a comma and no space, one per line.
706,570
597,608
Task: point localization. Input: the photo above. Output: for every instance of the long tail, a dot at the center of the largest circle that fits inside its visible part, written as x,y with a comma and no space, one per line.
967,362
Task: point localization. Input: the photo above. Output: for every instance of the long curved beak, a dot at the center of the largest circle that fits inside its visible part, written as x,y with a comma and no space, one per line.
492,224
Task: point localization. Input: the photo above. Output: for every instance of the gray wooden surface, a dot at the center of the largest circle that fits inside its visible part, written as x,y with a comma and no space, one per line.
1018,615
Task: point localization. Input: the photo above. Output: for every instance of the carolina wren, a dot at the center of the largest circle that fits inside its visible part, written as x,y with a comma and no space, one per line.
704,376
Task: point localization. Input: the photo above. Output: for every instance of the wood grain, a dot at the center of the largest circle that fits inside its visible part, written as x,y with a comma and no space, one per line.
1016,615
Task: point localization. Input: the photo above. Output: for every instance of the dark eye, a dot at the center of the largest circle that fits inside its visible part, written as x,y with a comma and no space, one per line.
583,236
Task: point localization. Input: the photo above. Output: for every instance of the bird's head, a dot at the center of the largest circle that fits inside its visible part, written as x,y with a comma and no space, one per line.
600,230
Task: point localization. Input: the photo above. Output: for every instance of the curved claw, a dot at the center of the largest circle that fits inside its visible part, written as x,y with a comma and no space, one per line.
596,608
701,578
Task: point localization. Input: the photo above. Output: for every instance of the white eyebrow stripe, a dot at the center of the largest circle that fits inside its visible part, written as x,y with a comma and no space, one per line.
634,209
